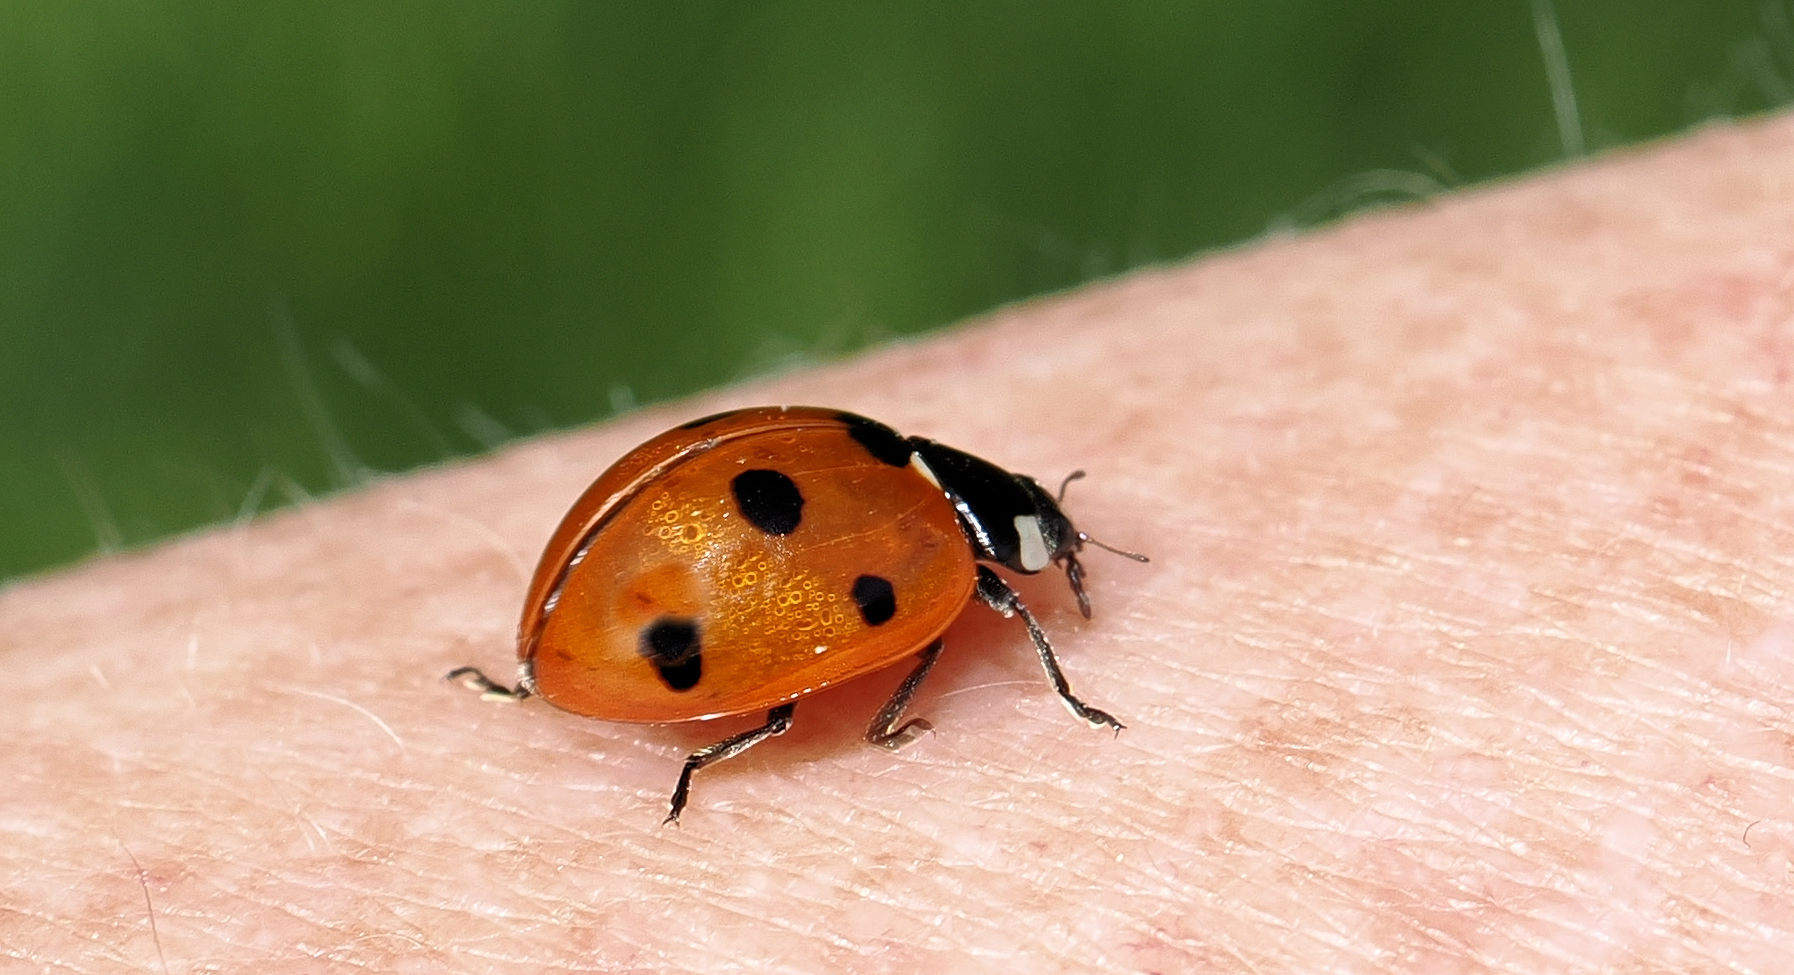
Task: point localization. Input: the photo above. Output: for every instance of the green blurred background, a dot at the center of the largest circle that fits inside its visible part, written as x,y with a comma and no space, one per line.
250,253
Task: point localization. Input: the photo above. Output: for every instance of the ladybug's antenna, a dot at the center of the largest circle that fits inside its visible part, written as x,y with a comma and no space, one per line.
1073,476
1085,539
1074,570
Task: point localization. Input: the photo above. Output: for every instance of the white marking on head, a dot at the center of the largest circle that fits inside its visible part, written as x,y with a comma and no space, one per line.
922,468
1034,553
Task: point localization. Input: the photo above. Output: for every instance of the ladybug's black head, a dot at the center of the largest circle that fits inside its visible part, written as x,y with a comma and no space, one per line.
1008,518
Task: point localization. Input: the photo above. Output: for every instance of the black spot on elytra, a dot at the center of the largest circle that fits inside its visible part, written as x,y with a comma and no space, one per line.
876,599
671,645
768,499
880,441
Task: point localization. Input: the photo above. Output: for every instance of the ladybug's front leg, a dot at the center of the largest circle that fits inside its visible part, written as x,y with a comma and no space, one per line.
1000,596
778,721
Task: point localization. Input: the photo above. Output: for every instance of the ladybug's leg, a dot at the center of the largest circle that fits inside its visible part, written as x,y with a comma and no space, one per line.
998,595
884,731
489,688
778,721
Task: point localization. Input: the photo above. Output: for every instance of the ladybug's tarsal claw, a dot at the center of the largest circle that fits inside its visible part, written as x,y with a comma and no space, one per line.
474,679
1103,719
680,795
897,740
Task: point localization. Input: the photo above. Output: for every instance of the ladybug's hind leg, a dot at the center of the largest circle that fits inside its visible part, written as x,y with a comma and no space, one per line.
884,731
778,721
1000,596
490,689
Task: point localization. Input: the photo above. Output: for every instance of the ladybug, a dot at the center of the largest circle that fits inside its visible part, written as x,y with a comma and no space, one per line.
745,560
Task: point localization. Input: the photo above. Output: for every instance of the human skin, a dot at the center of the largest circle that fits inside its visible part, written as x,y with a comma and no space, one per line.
1466,646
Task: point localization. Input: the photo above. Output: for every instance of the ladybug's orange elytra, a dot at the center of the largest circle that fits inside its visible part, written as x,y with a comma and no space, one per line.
745,560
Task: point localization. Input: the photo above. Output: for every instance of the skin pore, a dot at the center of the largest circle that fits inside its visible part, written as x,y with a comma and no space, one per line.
1466,646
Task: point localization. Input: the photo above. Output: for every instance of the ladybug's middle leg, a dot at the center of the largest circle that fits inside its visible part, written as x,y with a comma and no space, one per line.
778,721
884,731
1000,596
